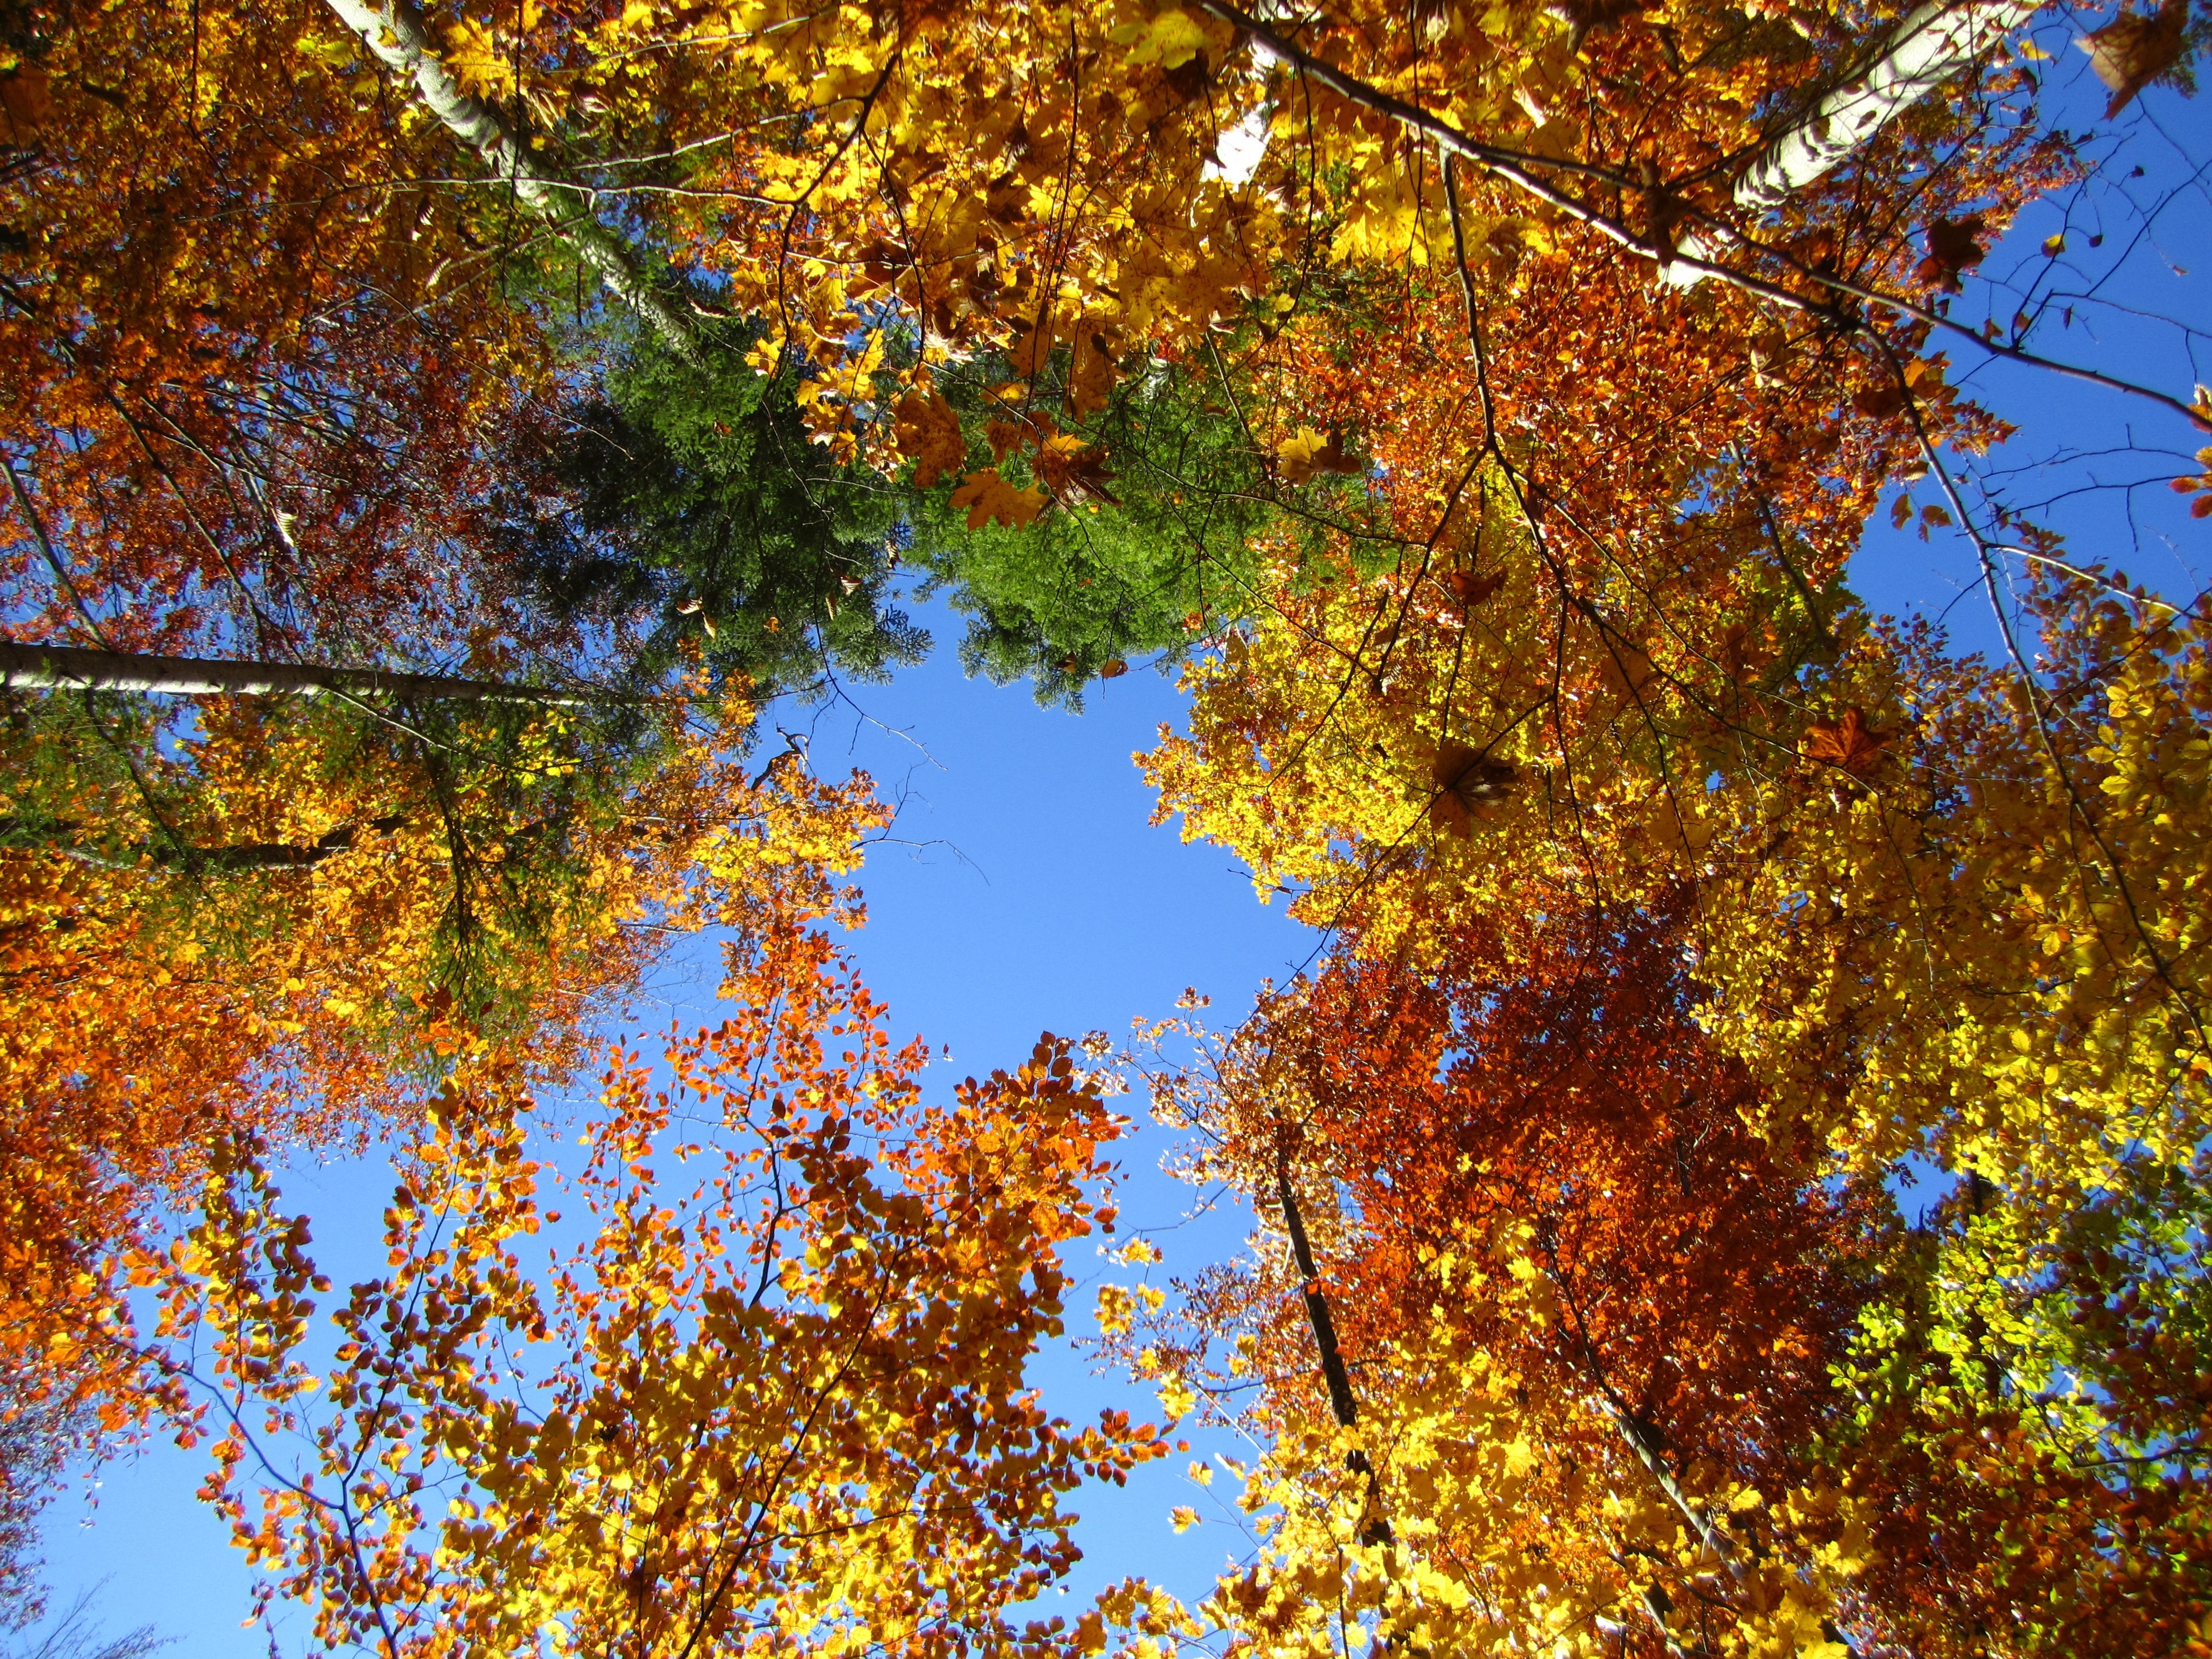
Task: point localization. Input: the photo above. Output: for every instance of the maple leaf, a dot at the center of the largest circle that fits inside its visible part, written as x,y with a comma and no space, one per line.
1849,743
1306,452
990,498
1075,472
2133,50
1954,246
1468,783
27,100
1469,589
928,430
1112,669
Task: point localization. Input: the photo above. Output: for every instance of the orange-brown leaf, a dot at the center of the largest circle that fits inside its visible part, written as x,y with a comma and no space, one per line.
989,498
1849,743
2133,50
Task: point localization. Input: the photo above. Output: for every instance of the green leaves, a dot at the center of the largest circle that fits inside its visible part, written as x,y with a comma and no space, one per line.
686,510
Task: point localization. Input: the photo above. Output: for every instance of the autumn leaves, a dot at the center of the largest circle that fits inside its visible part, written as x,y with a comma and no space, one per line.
1492,448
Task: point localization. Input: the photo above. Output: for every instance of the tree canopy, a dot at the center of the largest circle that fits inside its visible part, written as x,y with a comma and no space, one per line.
437,434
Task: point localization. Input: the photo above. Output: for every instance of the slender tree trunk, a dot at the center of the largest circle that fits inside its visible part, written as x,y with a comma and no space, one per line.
395,33
1341,1399
1342,1403
235,858
68,667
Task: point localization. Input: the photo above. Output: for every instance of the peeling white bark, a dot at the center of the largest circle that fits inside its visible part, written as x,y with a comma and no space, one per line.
395,33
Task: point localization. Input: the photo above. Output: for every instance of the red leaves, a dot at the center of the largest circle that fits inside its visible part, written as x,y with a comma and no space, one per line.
1536,1156
1954,246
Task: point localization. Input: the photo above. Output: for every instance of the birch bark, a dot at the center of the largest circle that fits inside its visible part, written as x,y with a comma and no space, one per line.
395,33
68,667
1928,45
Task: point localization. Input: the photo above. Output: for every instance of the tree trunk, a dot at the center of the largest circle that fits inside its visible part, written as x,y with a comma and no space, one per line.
1342,1403
236,858
396,35
1930,44
66,667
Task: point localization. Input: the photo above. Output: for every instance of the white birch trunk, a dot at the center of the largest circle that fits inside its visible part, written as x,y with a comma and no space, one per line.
73,668
395,33
1928,45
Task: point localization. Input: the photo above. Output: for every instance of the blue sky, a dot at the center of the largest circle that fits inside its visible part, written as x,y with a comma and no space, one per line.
1024,892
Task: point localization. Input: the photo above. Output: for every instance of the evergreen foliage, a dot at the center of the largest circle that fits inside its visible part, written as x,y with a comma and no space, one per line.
690,505
1165,562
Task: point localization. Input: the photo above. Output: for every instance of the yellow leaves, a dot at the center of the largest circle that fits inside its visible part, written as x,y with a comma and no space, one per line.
828,397
765,356
1117,1306
1305,452
1170,39
483,64
990,498
1182,1517
1176,1399
575,1523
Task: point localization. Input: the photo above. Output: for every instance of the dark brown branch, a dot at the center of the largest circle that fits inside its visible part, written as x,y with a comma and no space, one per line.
1341,1402
239,857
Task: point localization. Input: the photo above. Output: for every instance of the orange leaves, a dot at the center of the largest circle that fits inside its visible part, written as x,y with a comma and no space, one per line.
1469,590
991,499
929,432
1468,783
1849,744
2134,50
2200,486
1074,470
27,99
250,935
